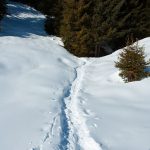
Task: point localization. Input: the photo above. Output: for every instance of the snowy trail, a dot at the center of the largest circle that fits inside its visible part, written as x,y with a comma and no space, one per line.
52,100
39,55
34,70
75,134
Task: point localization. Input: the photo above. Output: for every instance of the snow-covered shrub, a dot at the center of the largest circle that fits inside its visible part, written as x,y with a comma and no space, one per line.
131,63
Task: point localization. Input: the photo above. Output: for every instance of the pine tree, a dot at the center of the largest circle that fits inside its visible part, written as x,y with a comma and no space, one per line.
132,63
110,21
76,26
120,18
69,25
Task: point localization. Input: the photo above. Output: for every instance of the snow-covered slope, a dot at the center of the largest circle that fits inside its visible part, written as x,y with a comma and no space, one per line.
34,73
117,113
51,100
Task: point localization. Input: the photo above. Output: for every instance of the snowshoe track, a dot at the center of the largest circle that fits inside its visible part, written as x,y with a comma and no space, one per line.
75,135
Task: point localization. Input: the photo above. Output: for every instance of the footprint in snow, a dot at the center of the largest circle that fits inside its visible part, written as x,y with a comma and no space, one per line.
87,112
82,100
36,148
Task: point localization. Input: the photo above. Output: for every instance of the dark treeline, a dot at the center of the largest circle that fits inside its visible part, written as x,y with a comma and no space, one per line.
95,27
2,8
88,25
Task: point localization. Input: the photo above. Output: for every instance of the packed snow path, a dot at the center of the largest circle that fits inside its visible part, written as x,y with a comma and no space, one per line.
75,135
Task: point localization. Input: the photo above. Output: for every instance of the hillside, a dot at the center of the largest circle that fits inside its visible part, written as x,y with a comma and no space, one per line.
52,100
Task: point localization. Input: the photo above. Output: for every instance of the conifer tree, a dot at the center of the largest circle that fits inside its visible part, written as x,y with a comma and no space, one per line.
76,26
69,25
132,63
120,18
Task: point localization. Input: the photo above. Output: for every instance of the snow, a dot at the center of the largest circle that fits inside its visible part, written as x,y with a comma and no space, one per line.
119,112
77,123
52,100
34,71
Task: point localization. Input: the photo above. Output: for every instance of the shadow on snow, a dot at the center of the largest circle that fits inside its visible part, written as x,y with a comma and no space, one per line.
22,21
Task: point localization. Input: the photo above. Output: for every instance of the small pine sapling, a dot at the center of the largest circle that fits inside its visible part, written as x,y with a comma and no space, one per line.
131,62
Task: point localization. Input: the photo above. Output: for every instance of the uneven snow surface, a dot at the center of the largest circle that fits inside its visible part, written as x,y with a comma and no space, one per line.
51,100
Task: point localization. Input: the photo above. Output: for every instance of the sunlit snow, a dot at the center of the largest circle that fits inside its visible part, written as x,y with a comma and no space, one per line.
52,100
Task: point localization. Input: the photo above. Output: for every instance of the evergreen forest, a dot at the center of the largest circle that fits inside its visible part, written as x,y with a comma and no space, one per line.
93,28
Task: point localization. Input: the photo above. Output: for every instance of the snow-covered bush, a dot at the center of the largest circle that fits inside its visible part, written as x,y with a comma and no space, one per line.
131,63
